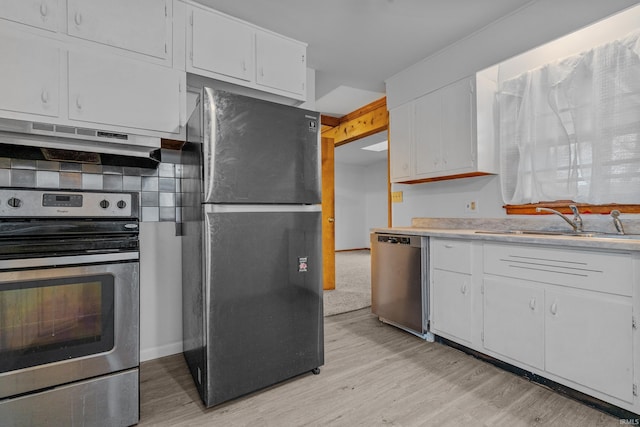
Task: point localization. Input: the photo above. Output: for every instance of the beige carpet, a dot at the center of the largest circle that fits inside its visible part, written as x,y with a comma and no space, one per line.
353,283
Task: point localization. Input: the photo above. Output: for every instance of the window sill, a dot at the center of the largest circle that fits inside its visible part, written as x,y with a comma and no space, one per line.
563,206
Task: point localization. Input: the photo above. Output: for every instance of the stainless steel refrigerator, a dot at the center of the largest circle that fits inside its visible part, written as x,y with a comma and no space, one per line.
251,262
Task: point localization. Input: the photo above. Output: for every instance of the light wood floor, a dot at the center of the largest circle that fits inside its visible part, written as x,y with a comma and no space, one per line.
374,375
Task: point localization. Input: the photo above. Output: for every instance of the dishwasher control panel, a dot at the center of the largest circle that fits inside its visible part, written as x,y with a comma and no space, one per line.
399,240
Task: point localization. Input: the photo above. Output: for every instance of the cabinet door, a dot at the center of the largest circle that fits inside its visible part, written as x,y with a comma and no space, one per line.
140,26
400,141
36,13
281,63
29,77
589,340
221,45
451,304
428,134
514,319
123,92
457,141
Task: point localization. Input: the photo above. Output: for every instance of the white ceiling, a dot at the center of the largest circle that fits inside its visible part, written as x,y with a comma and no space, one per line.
355,45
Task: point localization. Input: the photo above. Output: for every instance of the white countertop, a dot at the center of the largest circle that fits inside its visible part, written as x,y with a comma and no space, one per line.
610,243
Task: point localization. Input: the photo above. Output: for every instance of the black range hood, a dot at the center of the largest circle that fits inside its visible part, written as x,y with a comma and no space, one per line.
41,141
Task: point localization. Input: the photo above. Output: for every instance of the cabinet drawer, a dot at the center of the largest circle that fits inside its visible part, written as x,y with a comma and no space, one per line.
610,272
451,254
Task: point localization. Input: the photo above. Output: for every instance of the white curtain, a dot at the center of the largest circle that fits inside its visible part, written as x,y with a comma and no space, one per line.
570,130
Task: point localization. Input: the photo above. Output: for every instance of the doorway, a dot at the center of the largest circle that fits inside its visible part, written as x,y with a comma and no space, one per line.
361,191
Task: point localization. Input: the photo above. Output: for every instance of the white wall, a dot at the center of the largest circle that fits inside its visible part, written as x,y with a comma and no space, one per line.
538,22
447,199
535,24
160,290
375,181
359,205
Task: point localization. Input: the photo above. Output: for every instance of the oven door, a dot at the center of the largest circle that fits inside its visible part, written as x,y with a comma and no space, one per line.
64,319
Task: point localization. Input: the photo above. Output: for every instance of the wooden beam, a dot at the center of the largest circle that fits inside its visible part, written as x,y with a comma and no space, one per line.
382,102
365,121
329,121
171,144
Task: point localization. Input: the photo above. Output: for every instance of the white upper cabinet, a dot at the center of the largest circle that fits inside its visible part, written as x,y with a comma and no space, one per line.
141,26
281,63
221,45
29,77
224,48
125,92
401,131
35,13
441,135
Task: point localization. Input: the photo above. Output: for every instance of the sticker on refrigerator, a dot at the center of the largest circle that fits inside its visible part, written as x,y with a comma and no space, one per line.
313,126
303,267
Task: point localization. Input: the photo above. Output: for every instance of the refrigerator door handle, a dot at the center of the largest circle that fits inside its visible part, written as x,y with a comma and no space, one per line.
209,134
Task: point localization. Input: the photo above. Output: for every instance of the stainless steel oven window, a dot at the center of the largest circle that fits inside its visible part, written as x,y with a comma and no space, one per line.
49,320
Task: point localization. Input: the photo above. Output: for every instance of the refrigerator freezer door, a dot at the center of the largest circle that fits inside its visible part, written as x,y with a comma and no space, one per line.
263,315
257,151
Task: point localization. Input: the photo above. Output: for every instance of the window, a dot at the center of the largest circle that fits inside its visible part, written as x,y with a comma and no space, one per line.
570,130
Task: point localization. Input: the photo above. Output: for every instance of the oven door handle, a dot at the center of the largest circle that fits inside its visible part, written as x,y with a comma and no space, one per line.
11,264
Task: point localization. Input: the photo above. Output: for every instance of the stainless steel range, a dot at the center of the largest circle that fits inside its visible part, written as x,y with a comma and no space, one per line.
69,308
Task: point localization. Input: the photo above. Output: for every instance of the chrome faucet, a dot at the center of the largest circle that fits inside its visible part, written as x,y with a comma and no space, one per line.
576,223
615,214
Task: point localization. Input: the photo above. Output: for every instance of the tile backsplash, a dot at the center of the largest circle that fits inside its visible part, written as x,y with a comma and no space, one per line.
158,188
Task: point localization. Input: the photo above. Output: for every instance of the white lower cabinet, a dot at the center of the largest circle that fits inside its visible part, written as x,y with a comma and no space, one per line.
451,289
514,320
451,314
563,313
588,340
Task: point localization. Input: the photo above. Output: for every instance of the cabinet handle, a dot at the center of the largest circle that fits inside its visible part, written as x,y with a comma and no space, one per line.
554,308
78,18
78,103
448,246
244,66
532,304
463,288
44,10
44,96
405,166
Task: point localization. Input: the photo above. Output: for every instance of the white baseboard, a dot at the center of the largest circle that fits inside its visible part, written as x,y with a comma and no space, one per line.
162,351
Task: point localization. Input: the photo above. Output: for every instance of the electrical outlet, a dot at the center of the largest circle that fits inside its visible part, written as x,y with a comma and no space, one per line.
396,196
471,206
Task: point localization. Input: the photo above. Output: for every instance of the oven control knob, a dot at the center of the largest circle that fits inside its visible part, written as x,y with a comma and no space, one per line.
14,202
104,204
122,204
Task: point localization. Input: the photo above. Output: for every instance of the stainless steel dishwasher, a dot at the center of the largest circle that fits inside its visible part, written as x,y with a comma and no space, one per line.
399,285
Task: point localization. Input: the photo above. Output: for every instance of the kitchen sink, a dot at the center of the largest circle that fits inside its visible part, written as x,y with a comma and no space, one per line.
593,234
